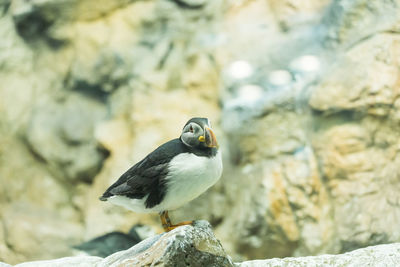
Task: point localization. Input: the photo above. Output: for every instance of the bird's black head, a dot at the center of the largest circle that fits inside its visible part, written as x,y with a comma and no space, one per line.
197,132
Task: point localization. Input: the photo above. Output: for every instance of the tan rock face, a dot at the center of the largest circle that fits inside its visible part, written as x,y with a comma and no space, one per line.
88,89
369,93
348,22
308,122
291,13
357,152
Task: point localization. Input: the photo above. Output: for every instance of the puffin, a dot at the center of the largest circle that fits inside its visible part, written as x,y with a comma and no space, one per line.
172,175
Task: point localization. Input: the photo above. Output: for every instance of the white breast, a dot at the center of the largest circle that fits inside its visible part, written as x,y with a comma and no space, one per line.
189,176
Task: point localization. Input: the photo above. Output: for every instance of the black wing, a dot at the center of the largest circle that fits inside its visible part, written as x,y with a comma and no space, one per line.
147,177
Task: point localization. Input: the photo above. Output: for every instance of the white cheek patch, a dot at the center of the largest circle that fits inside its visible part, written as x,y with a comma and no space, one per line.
184,137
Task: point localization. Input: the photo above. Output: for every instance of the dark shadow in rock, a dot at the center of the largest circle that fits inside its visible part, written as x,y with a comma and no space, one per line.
110,243
187,4
93,91
87,176
4,7
30,25
33,26
375,239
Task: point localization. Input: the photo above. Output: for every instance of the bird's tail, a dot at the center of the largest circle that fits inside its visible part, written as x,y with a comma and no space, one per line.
105,196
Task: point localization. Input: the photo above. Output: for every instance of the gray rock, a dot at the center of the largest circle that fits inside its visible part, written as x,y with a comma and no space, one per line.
133,251
197,246
348,21
185,246
382,255
78,261
4,4
99,78
62,134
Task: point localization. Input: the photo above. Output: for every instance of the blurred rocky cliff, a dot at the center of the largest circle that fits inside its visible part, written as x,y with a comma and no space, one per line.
304,96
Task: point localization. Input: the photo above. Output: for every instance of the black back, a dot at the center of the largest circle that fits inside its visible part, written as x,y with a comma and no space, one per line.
147,177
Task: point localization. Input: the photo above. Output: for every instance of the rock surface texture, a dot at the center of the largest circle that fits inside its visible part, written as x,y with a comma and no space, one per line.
197,246
185,246
304,97
381,255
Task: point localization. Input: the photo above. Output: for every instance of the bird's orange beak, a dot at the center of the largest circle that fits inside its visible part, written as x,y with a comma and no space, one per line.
209,136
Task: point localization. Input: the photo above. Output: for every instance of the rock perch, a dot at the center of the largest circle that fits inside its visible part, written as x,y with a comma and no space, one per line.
197,246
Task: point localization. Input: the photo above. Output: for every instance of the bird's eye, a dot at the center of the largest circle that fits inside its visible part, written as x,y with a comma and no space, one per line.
191,129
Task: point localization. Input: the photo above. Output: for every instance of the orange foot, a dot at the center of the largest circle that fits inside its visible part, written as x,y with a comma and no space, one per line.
168,228
166,222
